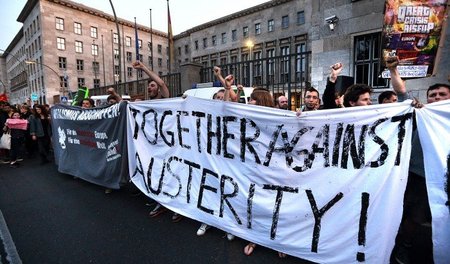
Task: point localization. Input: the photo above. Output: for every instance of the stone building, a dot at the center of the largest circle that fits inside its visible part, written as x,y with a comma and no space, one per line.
65,45
347,31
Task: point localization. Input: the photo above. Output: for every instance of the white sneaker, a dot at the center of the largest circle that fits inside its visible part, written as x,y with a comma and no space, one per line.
230,237
202,230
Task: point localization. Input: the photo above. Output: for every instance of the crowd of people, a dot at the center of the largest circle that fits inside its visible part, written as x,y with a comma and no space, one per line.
35,132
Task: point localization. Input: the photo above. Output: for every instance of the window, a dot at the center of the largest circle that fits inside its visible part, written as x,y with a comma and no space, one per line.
141,58
284,64
150,46
224,38
196,45
77,28
116,72
179,51
116,38
234,35
116,54
300,17
129,56
78,47
63,81
367,60
93,32
270,53
300,62
140,43
257,28
139,73
150,60
59,23
62,63
270,25
96,83
80,65
94,49
205,43
214,40
285,22
159,62
257,68
186,49
245,32
81,82
96,67
159,49
61,43
223,61
129,72
128,41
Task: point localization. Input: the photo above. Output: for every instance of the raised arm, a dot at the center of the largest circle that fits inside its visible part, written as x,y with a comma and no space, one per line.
328,96
227,82
397,83
153,76
111,91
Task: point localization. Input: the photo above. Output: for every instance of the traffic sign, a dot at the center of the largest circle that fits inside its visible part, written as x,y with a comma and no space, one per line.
34,97
64,99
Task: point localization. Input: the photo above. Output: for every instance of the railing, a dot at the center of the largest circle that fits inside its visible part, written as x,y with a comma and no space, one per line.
287,75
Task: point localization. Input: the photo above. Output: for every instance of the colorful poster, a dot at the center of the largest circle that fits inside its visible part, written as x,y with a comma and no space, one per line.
412,31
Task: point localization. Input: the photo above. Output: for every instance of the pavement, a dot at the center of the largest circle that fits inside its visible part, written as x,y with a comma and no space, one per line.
49,217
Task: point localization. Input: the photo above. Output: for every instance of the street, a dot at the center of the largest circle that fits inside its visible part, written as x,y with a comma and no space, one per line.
54,218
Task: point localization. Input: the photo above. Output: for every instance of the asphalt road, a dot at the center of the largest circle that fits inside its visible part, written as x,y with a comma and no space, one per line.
53,218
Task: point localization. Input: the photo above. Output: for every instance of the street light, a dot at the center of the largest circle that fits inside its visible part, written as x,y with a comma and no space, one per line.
250,45
59,77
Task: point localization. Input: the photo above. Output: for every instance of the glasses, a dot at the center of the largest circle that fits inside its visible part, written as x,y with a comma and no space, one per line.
311,97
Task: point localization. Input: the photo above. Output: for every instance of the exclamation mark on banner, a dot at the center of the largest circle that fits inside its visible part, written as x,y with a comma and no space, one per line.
360,256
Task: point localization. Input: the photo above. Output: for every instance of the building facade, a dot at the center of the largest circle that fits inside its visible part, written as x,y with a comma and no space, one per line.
65,45
80,44
346,31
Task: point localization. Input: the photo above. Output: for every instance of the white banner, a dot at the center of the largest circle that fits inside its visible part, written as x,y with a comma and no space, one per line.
327,187
433,123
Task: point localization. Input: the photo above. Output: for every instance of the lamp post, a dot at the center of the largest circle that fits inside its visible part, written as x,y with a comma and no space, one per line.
62,90
250,46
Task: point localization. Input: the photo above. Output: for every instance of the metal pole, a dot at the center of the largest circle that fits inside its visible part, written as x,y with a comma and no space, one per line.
118,39
103,61
151,40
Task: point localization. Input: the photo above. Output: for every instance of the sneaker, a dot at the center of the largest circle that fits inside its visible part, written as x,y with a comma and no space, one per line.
13,164
6,161
19,159
202,230
230,237
108,191
159,209
402,255
176,218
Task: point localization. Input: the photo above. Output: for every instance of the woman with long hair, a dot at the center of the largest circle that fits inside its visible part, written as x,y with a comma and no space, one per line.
41,131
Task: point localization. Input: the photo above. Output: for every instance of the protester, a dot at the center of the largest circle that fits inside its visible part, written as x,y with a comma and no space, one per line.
282,102
157,89
4,111
260,97
87,103
387,97
312,100
416,209
30,144
358,95
332,98
17,128
40,130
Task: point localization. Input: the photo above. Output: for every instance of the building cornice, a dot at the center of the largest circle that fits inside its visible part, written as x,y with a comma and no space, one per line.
80,7
236,15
